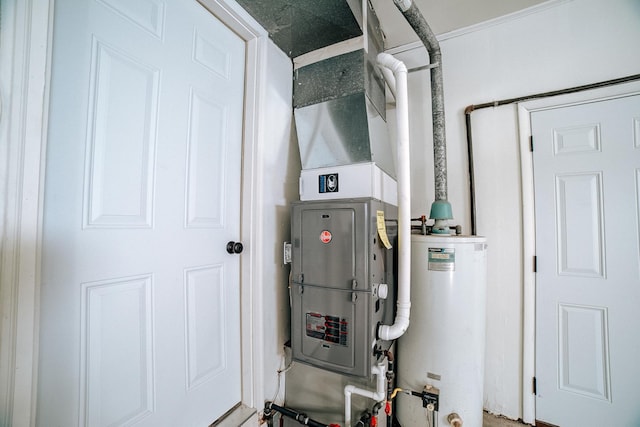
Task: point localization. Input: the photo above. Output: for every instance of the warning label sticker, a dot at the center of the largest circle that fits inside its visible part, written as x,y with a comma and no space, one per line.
442,259
331,329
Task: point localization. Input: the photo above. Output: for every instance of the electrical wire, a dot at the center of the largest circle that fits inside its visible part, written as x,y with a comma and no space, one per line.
284,370
280,372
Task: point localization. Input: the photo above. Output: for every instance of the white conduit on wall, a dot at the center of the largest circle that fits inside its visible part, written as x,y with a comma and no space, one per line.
398,86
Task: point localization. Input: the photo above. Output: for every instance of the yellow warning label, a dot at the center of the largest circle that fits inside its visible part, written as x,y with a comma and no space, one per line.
382,230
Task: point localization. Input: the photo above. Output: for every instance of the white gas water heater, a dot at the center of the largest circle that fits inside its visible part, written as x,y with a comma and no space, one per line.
443,348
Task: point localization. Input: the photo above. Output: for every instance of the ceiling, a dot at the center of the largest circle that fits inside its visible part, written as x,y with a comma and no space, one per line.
301,26
443,16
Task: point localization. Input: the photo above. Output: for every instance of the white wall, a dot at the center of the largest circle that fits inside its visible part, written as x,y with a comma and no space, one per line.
280,172
573,43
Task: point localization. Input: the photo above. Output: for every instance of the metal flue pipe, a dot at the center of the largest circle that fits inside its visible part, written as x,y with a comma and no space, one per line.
419,24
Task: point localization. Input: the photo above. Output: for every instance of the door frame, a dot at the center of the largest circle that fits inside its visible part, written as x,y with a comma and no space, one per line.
525,109
26,32
24,55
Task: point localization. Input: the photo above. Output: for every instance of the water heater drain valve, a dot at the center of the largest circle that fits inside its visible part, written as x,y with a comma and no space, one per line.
454,420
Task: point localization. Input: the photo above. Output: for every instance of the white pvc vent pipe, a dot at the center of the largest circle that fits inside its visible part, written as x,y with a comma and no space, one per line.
379,371
395,73
397,82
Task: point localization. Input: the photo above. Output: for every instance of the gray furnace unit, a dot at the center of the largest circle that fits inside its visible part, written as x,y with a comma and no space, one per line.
343,280
343,274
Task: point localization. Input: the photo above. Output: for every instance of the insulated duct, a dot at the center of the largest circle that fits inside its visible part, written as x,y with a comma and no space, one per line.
441,208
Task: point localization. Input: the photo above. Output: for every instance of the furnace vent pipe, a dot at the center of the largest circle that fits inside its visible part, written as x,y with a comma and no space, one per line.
378,395
398,85
441,209
390,79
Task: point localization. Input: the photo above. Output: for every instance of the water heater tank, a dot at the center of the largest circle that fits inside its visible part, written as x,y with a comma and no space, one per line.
444,345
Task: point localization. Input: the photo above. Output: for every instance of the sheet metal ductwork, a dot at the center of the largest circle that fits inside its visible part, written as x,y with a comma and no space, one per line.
301,26
339,108
339,96
339,105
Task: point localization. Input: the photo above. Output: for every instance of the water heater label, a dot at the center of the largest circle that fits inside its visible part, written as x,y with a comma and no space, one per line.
332,329
328,183
442,259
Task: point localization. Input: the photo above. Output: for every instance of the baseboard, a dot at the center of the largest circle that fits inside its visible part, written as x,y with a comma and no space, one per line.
543,424
240,415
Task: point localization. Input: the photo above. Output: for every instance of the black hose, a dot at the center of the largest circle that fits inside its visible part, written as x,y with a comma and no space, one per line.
299,417
364,420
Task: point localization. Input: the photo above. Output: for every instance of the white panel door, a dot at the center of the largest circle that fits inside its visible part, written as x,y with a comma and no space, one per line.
140,305
587,203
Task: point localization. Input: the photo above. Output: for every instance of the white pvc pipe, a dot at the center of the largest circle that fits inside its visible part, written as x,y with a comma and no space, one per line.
379,371
391,80
401,322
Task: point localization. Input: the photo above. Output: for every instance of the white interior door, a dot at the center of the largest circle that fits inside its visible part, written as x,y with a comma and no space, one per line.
587,203
140,305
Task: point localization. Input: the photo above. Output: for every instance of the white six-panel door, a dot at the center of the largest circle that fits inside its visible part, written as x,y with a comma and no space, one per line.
140,309
587,204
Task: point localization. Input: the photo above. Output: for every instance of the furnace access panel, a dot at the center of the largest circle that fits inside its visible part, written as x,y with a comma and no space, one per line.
340,270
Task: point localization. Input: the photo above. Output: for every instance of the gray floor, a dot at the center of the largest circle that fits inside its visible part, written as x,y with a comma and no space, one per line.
494,421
